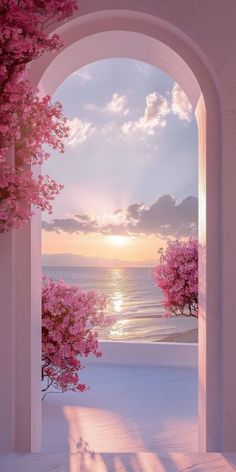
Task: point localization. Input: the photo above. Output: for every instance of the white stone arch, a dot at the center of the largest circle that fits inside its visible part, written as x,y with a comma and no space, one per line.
99,33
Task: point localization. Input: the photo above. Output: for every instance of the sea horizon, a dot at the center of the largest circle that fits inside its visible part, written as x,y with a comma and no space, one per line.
99,267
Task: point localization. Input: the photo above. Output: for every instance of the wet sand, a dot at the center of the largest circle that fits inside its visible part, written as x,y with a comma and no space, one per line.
190,336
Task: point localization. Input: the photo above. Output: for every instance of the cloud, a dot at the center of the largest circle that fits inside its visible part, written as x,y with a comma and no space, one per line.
83,74
164,218
117,105
154,116
181,105
80,130
156,109
143,68
77,224
133,211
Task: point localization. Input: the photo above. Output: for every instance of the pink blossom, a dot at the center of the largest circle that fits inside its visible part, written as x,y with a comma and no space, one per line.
26,121
63,343
19,189
177,277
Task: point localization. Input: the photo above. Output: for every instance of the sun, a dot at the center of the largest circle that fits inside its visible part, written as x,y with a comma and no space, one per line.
118,240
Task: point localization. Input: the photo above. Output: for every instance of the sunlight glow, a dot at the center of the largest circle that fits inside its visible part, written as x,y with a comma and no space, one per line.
84,425
118,302
118,240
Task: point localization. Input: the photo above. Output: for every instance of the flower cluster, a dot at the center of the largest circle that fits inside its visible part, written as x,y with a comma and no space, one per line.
18,191
69,319
177,277
34,122
26,121
23,32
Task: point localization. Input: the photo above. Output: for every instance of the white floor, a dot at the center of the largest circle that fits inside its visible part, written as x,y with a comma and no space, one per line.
132,420
105,462
127,409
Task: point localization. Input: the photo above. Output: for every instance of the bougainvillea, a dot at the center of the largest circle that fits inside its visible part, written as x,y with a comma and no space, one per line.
18,186
69,319
177,277
26,121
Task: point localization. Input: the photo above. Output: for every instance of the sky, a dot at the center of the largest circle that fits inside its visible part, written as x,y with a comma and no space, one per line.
129,169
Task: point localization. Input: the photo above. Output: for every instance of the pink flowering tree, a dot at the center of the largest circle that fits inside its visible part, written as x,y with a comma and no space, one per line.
70,317
27,122
177,277
18,189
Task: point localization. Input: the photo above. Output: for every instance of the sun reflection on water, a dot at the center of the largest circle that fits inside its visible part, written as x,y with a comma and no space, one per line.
118,329
118,290
118,301
118,295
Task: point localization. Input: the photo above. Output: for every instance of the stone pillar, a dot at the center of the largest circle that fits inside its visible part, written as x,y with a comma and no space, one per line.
7,335
210,280
7,342
228,288
28,338
20,337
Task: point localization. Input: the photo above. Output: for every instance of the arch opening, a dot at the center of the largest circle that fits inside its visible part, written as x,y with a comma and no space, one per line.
122,161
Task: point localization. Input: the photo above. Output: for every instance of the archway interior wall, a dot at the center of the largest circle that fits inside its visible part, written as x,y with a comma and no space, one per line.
120,44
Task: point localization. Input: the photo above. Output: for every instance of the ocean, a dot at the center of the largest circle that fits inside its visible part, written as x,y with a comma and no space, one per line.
135,303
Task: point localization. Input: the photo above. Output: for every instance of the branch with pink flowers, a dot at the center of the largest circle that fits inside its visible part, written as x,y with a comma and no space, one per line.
70,318
177,277
27,122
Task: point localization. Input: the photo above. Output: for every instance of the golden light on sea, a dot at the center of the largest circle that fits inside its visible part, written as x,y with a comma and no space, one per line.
118,301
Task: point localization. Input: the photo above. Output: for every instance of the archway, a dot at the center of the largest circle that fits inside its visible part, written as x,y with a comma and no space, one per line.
135,44
123,33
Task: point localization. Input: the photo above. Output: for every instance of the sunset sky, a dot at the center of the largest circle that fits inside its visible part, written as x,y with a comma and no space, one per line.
129,169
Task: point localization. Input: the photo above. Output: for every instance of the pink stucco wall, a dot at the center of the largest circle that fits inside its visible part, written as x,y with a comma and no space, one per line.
194,41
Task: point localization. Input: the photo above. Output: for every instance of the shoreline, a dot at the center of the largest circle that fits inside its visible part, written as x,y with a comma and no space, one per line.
190,336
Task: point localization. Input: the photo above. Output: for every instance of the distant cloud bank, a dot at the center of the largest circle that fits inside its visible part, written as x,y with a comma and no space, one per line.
163,218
